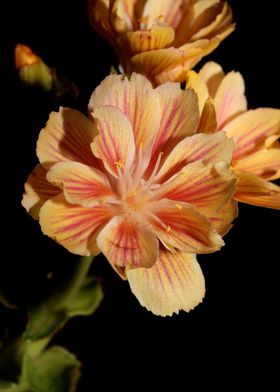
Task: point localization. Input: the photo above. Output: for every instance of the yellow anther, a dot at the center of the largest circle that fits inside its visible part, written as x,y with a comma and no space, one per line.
179,206
119,164
168,228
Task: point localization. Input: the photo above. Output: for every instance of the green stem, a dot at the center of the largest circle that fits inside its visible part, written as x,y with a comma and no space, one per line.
67,291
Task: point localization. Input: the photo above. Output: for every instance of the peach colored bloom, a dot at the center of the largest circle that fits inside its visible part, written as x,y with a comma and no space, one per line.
137,183
161,39
256,158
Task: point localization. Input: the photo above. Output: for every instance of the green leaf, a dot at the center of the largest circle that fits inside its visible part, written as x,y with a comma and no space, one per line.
7,386
55,370
87,299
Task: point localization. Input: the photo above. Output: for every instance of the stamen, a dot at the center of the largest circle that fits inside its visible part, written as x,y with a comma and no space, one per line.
178,206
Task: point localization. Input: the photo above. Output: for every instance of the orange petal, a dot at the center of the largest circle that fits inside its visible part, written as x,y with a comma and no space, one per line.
174,283
122,15
37,191
254,190
213,148
137,100
230,98
99,16
74,227
183,227
128,243
81,184
115,145
179,118
205,185
222,220
263,163
66,137
212,74
251,129
142,40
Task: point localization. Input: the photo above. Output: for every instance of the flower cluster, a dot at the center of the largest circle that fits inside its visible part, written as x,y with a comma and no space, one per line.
152,176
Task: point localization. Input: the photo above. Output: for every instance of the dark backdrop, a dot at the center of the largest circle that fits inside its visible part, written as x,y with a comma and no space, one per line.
232,335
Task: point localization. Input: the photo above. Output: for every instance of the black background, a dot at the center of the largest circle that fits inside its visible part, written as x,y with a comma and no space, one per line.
232,335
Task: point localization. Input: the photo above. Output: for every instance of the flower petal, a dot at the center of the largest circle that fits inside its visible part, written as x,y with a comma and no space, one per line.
251,129
213,148
74,227
254,190
126,243
222,220
230,99
137,99
179,118
115,144
208,119
263,163
99,16
207,186
165,11
195,82
174,283
122,15
183,227
37,191
157,37
212,74
66,137
81,184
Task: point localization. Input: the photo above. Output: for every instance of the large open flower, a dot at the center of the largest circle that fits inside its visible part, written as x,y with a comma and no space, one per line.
137,183
161,38
256,157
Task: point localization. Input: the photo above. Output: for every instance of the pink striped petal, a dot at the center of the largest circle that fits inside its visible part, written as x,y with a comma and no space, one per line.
205,185
128,243
179,118
66,137
72,226
251,129
37,191
183,227
263,163
230,98
167,12
209,147
81,184
254,190
137,100
212,74
174,283
115,144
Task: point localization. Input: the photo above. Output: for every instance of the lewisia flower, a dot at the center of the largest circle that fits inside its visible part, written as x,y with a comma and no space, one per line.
161,39
256,157
137,183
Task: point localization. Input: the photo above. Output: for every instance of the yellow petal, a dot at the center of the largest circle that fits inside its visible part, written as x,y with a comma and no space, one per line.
73,227
122,15
222,220
164,11
137,100
208,119
183,227
251,129
174,283
66,137
254,190
115,145
128,243
263,163
213,148
212,74
197,84
142,40
81,184
205,185
37,191
230,98
179,118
